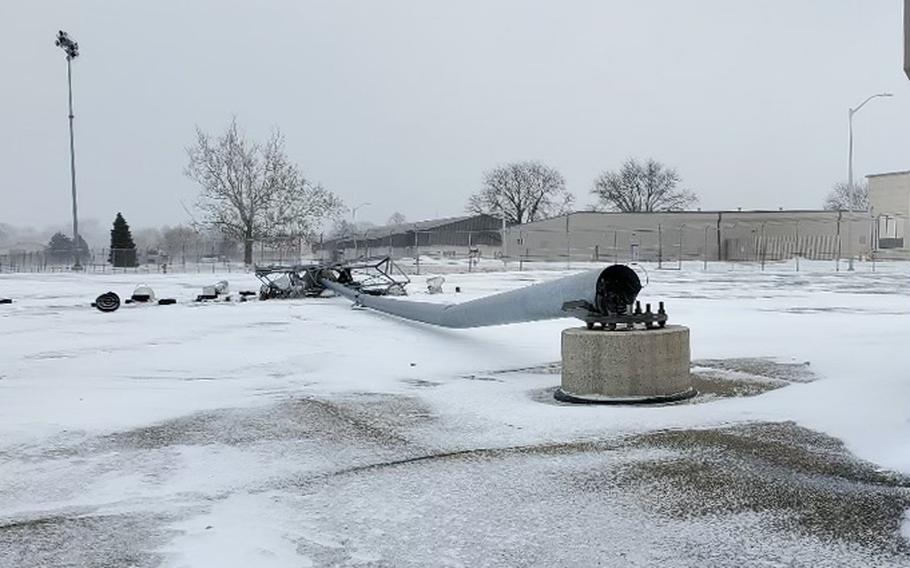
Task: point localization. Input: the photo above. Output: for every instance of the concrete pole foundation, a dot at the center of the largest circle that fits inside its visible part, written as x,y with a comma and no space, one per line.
636,366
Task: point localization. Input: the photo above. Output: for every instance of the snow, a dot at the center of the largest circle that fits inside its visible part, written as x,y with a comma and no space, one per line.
82,396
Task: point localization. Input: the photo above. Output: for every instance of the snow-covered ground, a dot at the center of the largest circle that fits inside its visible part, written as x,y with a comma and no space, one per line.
302,432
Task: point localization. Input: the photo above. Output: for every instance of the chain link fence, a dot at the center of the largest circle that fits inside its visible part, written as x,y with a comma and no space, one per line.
828,237
198,256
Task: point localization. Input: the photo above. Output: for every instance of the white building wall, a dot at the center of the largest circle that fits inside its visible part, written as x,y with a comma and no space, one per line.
670,237
889,198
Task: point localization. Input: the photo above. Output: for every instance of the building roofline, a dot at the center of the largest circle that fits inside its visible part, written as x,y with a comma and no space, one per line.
383,231
699,212
713,212
883,174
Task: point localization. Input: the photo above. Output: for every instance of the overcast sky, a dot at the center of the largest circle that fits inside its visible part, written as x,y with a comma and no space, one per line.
405,104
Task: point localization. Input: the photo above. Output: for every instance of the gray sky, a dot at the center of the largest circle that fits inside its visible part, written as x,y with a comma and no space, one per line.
404,104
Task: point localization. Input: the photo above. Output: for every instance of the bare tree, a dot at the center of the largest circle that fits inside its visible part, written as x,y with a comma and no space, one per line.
176,241
523,192
648,186
397,219
147,238
844,197
252,192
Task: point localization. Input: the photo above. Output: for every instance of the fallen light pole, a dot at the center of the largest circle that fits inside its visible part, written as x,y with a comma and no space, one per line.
537,302
622,355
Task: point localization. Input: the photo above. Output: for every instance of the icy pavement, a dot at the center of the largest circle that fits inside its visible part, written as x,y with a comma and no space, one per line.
305,433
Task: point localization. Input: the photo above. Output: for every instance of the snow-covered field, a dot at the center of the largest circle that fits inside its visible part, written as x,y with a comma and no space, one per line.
305,433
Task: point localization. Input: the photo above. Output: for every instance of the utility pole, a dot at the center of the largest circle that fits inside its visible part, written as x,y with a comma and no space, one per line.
72,52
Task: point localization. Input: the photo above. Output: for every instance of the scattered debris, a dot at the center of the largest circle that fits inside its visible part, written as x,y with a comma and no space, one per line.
434,284
283,282
218,290
376,277
142,294
107,302
110,301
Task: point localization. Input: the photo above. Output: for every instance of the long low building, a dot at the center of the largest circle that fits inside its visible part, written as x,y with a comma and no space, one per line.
449,237
693,235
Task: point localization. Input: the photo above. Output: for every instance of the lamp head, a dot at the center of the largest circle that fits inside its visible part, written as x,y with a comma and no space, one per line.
67,44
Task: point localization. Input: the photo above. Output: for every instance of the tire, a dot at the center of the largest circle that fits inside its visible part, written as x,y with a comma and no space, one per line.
108,302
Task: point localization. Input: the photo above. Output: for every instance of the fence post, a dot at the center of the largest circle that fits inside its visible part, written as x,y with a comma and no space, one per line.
470,258
679,251
840,215
660,247
719,240
704,252
615,236
850,240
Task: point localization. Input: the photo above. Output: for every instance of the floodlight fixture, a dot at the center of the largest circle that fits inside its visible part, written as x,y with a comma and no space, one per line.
67,44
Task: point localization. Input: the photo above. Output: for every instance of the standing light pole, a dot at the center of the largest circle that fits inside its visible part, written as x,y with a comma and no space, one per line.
72,52
355,208
354,223
850,113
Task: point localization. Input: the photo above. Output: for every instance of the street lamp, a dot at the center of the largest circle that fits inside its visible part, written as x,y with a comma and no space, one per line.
354,211
354,223
72,52
850,113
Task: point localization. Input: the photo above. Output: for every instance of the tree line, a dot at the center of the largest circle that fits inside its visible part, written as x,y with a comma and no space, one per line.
530,190
251,192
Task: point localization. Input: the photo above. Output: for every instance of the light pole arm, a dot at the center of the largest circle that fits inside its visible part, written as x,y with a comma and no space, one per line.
862,104
850,113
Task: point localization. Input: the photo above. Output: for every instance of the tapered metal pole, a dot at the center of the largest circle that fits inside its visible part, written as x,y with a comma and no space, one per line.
537,302
850,151
77,265
850,113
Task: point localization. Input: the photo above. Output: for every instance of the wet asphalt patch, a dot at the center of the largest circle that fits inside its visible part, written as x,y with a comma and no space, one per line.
806,482
87,541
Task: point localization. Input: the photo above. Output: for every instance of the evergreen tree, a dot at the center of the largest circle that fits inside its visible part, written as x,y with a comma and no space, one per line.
123,249
60,248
